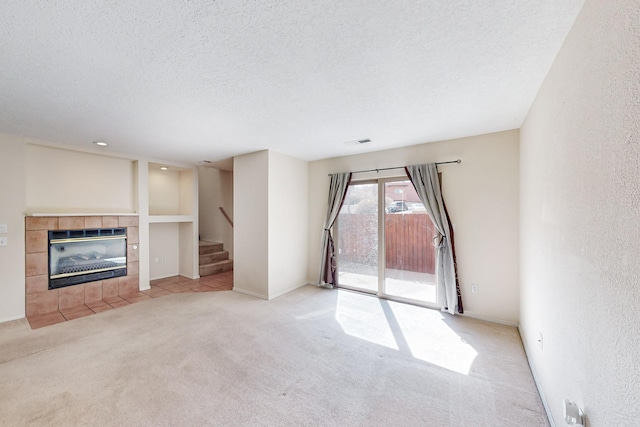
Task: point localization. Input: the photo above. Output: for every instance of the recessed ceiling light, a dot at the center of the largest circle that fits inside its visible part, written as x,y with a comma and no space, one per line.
100,143
164,168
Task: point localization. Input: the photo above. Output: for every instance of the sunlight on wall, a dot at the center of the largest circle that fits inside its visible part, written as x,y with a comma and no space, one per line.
416,331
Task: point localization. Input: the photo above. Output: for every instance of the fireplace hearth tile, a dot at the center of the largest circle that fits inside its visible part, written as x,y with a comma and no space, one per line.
71,222
109,300
37,284
180,279
132,268
120,303
101,308
128,285
109,221
172,287
43,320
42,303
109,288
132,295
71,296
135,299
37,264
190,285
73,309
159,293
92,222
92,304
127,221
36,241
41,223
78,314
92,292
39,302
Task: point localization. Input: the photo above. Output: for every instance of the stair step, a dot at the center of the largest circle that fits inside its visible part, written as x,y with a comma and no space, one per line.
216,267
209,247
213,257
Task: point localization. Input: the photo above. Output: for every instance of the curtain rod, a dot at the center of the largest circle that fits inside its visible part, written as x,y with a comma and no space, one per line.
402,167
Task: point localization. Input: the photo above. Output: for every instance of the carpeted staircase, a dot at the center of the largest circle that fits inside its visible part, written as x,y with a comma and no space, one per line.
213,259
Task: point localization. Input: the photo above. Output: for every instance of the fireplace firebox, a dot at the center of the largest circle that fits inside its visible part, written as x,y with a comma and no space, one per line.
80,256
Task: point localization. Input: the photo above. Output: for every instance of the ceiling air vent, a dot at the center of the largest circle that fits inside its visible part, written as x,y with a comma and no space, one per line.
358,142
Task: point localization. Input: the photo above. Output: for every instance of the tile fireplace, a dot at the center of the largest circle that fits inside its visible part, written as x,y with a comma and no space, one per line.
41,231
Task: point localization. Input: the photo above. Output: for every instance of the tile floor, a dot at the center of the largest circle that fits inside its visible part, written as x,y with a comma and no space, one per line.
159,288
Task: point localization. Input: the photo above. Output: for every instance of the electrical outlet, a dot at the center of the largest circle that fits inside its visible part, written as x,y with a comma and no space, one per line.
3,228
157,260
3,241
475,288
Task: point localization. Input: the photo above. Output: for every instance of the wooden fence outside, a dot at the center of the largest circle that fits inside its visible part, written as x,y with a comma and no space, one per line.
408,241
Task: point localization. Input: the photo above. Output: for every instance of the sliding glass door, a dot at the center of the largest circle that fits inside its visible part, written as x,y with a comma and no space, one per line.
384,242
409,271
357,245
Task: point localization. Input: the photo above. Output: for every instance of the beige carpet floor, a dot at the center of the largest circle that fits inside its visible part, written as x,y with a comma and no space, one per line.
313,357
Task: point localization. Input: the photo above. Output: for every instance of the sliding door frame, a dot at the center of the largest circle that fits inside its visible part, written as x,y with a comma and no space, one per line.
381,293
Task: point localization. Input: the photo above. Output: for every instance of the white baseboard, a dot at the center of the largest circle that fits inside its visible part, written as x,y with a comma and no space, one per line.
488,318
286,291
11,318
536,380
253,294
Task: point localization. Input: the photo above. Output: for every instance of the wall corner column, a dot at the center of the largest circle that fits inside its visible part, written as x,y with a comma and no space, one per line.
143,219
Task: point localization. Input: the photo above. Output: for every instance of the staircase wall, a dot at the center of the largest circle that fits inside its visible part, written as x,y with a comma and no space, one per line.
215,188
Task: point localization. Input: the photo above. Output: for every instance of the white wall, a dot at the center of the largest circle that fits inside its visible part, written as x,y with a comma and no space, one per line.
482,199
164,191
164,250
12,207
288,223
270,233
215,190
188,182
251,223
65,181
580,222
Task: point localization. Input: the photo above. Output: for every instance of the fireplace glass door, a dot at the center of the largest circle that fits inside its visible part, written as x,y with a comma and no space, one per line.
79,256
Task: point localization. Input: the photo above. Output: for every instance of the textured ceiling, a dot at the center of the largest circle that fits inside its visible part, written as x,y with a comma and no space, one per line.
205,79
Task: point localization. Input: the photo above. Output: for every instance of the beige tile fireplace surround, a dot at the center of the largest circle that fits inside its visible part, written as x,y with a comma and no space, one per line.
39,299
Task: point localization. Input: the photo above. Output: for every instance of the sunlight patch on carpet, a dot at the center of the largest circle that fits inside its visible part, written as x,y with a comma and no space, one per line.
362,317
416,331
